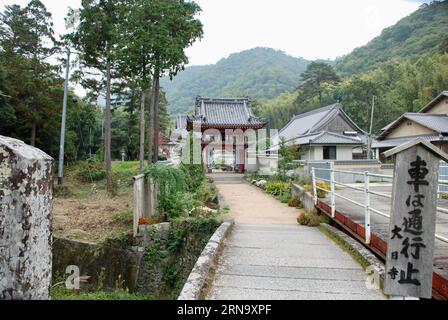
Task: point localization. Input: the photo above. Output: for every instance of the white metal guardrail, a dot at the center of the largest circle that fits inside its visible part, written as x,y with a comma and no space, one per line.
368,209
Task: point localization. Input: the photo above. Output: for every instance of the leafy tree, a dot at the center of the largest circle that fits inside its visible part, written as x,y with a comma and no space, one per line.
313,81
7,112
96,38
398,87
287,155
414,36
136,57
443,47
172,27
27,40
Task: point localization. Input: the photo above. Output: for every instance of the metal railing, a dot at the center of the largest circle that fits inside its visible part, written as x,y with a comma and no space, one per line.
366,189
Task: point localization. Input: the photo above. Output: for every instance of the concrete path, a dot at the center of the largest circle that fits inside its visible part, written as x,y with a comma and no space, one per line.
268,256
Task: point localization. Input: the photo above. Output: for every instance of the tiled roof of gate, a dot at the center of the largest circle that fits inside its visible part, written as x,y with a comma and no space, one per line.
222,112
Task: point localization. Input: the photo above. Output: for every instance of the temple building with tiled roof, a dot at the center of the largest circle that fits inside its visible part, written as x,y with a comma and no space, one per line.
223,115
326,133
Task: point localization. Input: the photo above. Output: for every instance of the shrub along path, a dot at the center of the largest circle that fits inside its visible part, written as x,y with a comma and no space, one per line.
269,256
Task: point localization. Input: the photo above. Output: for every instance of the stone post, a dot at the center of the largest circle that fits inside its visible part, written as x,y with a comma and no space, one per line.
410,247
26,204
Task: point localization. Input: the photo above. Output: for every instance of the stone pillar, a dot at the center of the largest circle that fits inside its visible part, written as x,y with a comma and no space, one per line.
26,205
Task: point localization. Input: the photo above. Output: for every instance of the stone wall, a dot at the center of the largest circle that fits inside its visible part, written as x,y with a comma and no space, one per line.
26,204
157,262
305,197
108,265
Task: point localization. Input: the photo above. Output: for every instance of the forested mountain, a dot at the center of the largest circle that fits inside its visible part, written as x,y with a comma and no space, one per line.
260,73
422,32
404,68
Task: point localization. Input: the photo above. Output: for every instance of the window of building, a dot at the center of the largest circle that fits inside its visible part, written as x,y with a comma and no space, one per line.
329,152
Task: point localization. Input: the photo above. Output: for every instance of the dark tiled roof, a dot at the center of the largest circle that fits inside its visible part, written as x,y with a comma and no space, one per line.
436,122
390,143
225,112
328,138
312,122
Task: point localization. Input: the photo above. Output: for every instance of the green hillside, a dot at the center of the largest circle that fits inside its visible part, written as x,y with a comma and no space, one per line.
420,33
260,73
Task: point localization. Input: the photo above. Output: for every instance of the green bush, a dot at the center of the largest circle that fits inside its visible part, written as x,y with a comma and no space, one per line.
194,175
123,173
278,188
284,197
308,219
303,219
90,171
171,188
294,202
177,204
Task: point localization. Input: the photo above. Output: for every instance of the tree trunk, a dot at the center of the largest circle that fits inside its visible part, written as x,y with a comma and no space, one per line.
142,130
33,133
156,118
153,141
107,131
151,128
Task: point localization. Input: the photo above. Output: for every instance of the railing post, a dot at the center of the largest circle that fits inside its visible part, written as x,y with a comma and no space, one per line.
367,206
332,187
313,176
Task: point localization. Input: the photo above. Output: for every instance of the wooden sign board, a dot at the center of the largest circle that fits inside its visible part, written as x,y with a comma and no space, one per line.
410,252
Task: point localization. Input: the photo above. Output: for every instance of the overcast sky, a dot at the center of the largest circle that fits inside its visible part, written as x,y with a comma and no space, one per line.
310,29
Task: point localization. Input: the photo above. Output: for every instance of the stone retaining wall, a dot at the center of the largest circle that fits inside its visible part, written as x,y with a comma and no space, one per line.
157,262
305,197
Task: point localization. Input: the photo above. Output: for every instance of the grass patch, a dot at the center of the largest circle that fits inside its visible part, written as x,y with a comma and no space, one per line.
123,217
225,210
62,293
346,247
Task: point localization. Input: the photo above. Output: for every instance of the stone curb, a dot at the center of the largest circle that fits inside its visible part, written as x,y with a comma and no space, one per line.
358,248
197,279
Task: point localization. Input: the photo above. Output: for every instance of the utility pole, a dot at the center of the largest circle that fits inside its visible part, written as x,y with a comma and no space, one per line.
370,129
64,118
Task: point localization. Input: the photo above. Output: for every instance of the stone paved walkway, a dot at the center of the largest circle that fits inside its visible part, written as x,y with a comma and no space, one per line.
268,256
